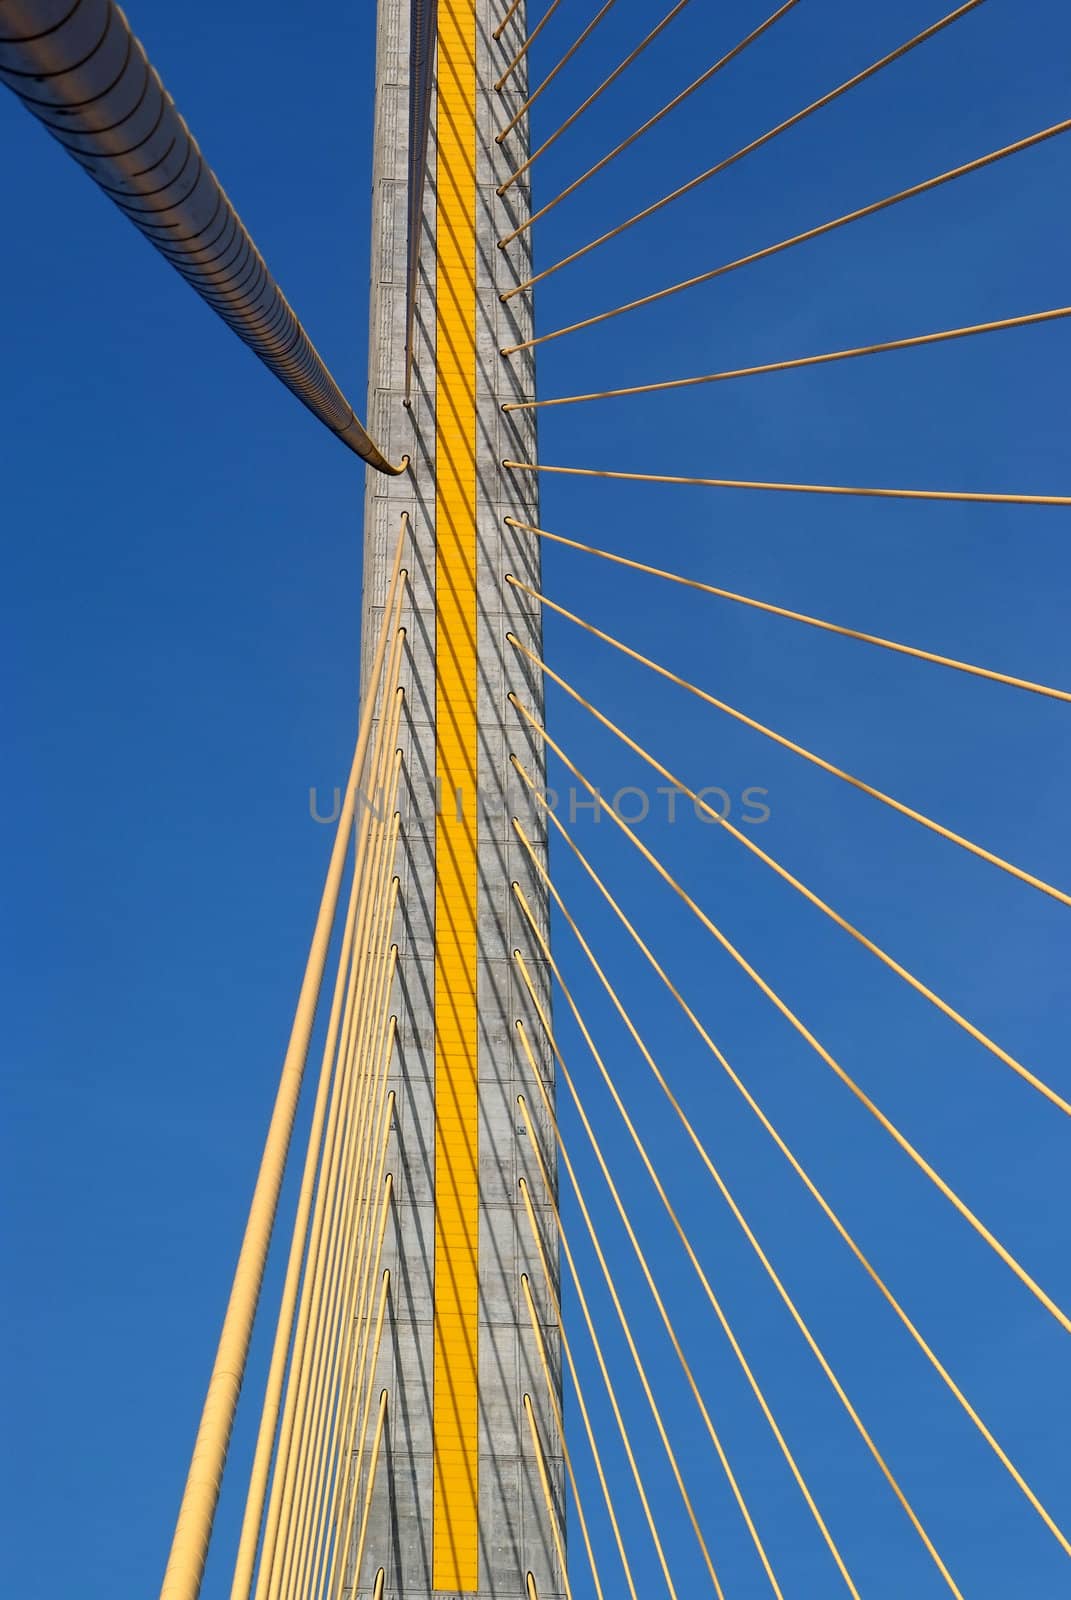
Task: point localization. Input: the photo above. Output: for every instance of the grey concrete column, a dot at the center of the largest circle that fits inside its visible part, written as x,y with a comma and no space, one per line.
515,1535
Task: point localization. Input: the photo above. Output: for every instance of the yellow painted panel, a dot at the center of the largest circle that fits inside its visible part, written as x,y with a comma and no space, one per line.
455,1540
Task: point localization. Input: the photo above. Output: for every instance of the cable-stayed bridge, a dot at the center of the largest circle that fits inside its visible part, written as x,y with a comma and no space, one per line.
491,1369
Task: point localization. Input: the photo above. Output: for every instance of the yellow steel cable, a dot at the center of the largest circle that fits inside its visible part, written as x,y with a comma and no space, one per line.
527,45
322,1239
530,1586
318,1250
327,1262
355,1340
559,1423
497,32
357,1277
909,978
801,488
719,1312
316,1357
791,1158
376,966
354,1226
377,1439
311,1376
548,1498
364,1224
377,1587
790,1016
322,1253
326,1574
623,66
366,1361
328,1342
823,228
1030,319
379,1251
500,30
808,755
612,1287
330,1071
697,83
375,1124
342,1544
738,1215
355,1231
325,1545
258,1480
582,1301
269,1414
339,1454
553,73
728,161
193,1527
552,1297
366,1365
798,616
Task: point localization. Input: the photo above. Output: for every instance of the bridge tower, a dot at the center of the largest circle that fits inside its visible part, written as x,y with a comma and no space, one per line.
461,1508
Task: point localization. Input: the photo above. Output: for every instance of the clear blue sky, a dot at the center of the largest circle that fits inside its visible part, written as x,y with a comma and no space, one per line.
183,587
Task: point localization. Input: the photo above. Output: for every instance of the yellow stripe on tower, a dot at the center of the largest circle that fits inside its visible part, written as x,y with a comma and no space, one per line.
455,1550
